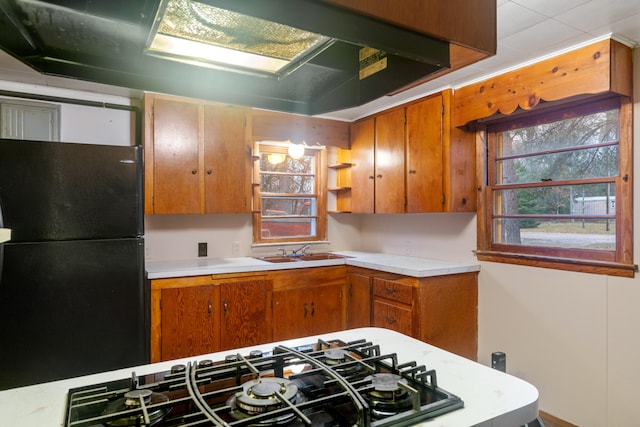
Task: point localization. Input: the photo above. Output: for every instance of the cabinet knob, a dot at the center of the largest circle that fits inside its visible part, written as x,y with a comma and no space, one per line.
391,320
209,308
225,306
305,310
412,171
390,290
371,177
209,171
194,171
378,176
313,308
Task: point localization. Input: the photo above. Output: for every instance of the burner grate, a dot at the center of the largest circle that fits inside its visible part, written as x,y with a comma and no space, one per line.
326,383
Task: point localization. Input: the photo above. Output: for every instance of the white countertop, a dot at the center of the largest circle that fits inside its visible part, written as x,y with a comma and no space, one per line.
406,265
491,398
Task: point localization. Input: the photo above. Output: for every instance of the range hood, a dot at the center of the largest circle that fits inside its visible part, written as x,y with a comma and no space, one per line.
357,59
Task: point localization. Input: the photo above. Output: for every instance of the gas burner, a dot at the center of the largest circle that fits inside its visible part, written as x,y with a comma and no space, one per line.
338,359
386,396
264,395
335,356
205,363
135,399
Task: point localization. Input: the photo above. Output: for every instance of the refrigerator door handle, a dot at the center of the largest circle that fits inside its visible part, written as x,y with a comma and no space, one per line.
5,235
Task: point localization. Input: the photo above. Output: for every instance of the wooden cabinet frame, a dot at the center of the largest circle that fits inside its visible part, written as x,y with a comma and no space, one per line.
190,148
219,291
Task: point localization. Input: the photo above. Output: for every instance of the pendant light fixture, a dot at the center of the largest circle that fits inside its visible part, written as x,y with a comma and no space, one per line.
296,149
276,158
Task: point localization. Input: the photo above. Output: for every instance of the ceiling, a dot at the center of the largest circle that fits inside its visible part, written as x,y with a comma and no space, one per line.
527,30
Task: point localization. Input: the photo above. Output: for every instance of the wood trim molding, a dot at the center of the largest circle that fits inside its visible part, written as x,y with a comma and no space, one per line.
273,125
548,418
567,264
605,66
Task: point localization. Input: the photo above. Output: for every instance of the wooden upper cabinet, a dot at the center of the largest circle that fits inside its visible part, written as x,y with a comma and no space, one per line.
175,149
197,157
411,160
377,157
227,165
362,168
389,162
424,170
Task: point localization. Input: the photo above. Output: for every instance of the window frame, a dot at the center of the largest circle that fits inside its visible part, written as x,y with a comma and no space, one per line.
618,262
320,182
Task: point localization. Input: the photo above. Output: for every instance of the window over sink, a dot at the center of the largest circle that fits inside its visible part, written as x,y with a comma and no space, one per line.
290,198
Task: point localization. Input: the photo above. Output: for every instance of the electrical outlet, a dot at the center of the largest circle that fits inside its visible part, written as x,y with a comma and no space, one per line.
236,248
202,249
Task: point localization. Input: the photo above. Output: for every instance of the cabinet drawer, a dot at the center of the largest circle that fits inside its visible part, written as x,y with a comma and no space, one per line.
393,290
392,316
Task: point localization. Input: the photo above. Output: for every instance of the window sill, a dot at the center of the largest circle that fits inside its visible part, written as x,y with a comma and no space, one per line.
568,264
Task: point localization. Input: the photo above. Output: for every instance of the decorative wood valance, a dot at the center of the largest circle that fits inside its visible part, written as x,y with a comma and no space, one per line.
605,66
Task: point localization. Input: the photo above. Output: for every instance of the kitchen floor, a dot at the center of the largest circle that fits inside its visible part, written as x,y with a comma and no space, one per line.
551,421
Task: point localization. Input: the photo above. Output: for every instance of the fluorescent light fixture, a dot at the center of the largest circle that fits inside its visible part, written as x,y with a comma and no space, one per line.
197,33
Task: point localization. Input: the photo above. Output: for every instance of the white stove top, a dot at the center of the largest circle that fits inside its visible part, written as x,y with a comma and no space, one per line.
491,398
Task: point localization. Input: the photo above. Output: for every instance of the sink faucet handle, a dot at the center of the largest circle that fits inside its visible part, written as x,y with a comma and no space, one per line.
302,250
284,251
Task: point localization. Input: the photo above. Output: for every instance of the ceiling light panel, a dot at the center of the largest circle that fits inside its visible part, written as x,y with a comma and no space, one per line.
190,31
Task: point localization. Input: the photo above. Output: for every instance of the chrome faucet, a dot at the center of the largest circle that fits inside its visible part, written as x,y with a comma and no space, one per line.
301,250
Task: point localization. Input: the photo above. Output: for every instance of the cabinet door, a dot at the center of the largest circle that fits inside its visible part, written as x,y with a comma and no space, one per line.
391,315
188,322
227,162
243,314
175,157
362,172
359,302
390,163
424,156
291,311
325,304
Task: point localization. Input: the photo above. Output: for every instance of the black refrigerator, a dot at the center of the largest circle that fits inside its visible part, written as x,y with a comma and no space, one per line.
73,294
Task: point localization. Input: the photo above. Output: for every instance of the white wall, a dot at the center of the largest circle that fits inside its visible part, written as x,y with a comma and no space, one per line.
95,125
81,123
441,236
176,237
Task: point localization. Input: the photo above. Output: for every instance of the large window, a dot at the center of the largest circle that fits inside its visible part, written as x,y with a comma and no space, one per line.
558,190
291,196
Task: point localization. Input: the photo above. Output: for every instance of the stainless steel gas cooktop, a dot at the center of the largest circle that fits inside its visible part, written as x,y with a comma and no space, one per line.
326,383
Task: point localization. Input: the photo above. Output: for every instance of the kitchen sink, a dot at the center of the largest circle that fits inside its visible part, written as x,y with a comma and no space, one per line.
278,258
297,258
320,256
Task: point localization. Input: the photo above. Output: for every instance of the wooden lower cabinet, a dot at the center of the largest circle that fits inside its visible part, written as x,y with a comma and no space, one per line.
244,319
439,310
205,314
308,301
359,300
188,323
